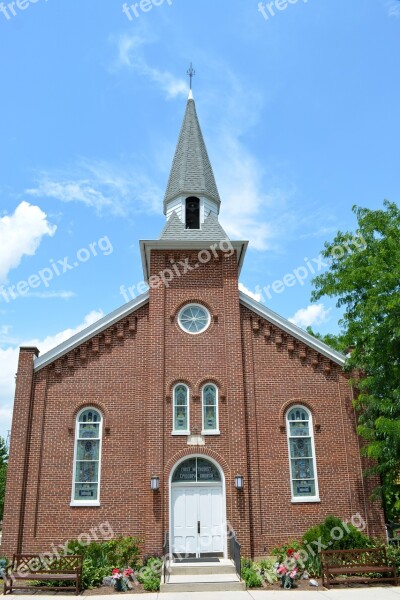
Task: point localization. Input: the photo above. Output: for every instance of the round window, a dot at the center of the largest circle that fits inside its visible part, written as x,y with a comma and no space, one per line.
194,318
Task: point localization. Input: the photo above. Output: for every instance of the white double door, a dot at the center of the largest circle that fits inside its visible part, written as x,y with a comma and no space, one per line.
198,521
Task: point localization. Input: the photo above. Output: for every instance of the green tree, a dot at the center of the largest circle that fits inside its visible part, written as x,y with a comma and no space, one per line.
3,473
337,342
364,277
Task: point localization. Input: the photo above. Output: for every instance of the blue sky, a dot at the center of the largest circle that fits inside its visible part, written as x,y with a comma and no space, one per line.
300,113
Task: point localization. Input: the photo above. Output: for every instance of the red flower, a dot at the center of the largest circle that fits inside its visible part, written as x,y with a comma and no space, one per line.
290,552
115,571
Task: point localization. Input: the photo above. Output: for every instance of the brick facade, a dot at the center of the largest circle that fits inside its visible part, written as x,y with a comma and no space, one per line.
128,372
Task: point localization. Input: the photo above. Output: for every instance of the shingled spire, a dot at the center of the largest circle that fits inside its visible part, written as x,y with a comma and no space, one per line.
191,173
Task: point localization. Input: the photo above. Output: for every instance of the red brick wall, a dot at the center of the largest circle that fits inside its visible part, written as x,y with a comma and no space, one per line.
128,372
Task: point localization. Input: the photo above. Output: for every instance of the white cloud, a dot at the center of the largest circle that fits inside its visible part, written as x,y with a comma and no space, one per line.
314,314
63,295
101,185
130,56
9,362
21,234
393,8
255,295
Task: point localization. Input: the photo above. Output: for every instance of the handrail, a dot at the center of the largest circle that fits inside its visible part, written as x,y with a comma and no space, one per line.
234,552
165,555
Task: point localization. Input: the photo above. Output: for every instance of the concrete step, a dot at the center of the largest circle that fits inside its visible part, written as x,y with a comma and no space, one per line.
224,567
219,586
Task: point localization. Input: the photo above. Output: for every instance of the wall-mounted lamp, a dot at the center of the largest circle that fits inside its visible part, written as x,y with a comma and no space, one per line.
239,482
155,483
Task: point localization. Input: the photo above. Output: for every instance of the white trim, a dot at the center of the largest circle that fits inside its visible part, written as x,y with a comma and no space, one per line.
146,246
196,304
179,431
221,484
96,502
300,334
89,332
215,431
299,499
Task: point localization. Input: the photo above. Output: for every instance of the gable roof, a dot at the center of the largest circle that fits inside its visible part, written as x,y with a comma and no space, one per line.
210,230
191,171
89,332
288,327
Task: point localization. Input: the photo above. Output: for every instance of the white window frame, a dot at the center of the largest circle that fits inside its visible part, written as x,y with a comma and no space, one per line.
96,502
302,499
205,431
196,304
180,431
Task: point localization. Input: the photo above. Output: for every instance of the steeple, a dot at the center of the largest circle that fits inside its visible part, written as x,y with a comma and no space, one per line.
191,174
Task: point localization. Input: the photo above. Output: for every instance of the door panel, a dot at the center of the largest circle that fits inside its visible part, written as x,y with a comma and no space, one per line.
184,510
189,506
211,521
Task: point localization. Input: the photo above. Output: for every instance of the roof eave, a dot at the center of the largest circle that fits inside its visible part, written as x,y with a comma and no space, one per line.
90,332
187,193
288,327
146,246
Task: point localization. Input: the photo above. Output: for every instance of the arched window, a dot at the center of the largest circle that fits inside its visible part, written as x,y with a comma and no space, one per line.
192,213
210,409
86,480
303,469
181,409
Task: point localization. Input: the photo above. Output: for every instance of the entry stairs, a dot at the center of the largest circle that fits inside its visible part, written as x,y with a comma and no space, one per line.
202,577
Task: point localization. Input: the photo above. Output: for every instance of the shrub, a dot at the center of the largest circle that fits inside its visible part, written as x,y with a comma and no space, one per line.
266,569
100,558
347,535
151,584
250,574
393,554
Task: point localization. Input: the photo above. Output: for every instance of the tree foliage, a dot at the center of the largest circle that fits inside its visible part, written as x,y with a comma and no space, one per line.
3,474
365,281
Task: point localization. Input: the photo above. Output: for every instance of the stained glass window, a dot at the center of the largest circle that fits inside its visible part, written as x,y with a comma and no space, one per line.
194,318
210,408
87,456
301,451
195,470
181,409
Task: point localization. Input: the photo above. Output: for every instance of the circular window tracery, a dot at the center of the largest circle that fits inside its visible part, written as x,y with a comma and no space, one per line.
194,318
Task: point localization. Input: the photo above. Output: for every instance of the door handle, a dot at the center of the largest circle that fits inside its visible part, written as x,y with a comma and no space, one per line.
198,526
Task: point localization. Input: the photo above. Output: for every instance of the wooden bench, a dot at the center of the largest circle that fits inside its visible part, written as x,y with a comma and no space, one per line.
355,563
37,567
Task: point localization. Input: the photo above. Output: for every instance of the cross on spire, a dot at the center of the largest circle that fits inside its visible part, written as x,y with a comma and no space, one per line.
191,72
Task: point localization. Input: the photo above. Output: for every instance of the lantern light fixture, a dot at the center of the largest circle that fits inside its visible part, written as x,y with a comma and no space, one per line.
155,483
239,482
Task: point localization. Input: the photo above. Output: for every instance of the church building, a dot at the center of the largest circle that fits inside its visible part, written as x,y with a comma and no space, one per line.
190,410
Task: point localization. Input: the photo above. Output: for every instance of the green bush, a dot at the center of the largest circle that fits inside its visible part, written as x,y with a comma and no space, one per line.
100,558
150,574
393,554
266,569
350,538
152,584
250,574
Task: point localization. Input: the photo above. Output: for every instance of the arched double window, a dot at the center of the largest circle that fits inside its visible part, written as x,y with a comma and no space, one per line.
181,409
210,409
303,469
86,476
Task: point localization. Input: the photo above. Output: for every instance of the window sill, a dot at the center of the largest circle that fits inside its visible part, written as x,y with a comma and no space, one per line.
304,500
180,432
77,503
211,432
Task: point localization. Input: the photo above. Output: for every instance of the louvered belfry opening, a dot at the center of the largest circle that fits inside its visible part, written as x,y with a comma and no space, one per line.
192,213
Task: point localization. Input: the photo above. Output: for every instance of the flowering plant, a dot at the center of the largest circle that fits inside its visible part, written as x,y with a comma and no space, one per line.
121,579
288,569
